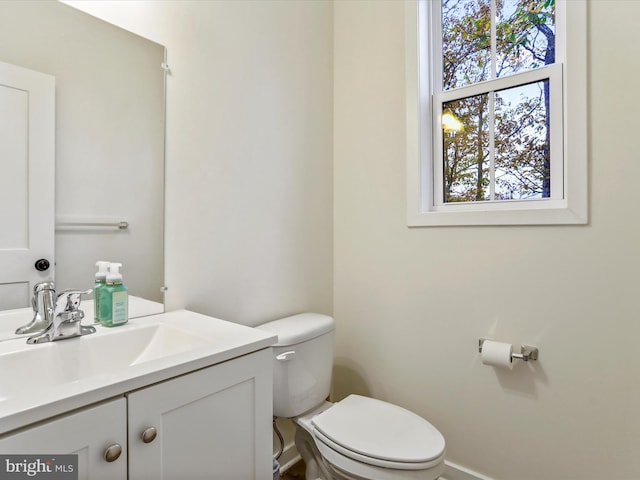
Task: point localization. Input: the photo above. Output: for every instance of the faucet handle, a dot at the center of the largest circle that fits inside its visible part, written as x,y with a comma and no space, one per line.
72,298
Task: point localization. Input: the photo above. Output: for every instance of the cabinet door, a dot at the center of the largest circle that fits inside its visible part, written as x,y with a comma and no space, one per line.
211,424
87,433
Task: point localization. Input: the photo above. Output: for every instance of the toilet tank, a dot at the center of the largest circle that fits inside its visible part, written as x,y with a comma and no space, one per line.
302,362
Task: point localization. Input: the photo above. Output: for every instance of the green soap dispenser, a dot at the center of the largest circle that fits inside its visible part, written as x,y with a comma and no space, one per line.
101,282
114,299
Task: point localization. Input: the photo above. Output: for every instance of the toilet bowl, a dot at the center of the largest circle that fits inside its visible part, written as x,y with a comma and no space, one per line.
358,438
364,438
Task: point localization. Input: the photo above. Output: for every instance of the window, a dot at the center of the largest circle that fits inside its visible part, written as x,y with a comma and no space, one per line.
496,112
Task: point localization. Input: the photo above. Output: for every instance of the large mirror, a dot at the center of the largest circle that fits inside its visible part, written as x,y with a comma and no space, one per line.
109,144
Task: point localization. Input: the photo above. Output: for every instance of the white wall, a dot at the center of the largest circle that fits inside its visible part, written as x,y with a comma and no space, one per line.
249,146
410,304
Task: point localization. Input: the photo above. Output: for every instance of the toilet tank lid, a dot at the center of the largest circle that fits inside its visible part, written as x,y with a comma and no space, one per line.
299,328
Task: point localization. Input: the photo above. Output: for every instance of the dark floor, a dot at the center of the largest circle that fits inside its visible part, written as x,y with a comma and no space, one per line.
294,473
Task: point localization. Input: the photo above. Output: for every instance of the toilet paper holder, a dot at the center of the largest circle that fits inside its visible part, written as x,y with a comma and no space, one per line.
527,352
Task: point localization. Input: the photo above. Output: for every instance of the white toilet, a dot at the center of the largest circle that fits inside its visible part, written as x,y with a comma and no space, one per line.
358,438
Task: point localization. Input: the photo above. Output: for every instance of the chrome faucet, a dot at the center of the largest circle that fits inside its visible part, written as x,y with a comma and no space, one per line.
43,303
66,322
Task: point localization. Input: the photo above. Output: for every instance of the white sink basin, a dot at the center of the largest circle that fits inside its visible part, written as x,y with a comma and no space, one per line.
39,381
33,367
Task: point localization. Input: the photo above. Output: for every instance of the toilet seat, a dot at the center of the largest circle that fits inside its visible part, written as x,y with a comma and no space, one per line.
345,468
380,434
328,448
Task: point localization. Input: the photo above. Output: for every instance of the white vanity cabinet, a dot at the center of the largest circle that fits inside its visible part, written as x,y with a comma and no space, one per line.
87,433
213,423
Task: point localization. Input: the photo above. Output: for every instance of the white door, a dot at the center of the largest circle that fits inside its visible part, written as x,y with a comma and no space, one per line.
27,177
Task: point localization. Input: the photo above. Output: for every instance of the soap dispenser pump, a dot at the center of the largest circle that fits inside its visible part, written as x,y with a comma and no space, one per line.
114,309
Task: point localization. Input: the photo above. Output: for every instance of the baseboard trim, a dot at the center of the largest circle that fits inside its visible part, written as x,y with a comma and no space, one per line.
289,457
453,471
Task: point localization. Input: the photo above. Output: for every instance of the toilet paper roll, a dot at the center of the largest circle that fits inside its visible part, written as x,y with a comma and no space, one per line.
497,354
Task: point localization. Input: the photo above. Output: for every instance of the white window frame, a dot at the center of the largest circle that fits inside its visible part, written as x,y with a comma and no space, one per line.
568,203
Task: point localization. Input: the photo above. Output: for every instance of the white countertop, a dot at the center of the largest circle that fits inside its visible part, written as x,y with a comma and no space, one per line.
222,341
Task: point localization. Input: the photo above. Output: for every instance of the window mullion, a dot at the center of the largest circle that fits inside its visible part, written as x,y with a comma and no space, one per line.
492,153
494,74
494,43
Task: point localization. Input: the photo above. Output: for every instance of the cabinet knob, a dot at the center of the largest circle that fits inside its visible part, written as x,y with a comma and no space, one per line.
112,453
149,434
